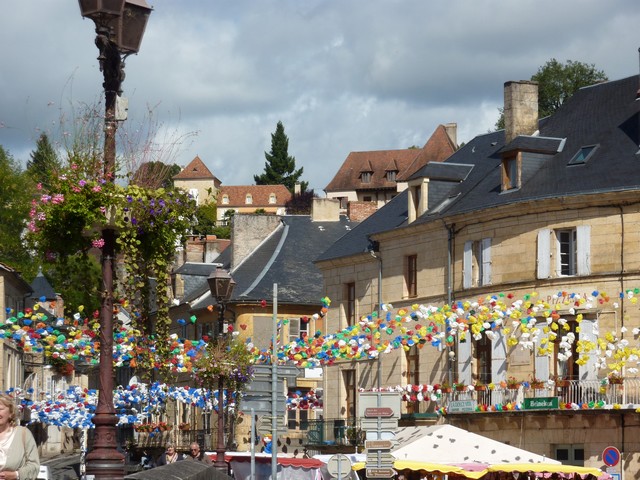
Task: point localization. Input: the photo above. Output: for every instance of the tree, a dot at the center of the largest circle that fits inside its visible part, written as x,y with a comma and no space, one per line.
557,82
280,167
300,204
15,197
155,174
44,162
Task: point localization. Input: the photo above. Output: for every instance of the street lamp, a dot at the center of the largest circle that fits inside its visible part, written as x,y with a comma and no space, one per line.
120,26
221,286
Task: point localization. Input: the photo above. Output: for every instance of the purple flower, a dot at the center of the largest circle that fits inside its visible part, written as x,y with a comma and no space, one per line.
134,221
82,183
129,198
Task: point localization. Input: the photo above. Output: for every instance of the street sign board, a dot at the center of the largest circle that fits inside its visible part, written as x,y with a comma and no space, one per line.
541,403
380,472
264,386
379,459
262,404
461,406
378,444
379,399
611,456
379,435
372,412
284,371
379,423
264,426
339,466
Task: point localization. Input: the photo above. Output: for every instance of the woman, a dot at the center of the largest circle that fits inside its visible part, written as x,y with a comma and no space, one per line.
18,451
169,456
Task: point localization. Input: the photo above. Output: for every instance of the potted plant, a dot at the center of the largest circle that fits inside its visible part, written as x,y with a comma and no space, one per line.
184,426
479,386
512,383
615,378
459,386
536,383
445,387
560,382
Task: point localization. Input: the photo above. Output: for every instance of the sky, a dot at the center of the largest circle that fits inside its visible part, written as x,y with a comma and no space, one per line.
213,77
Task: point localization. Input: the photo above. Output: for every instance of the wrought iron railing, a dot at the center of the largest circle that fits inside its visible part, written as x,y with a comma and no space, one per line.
338,432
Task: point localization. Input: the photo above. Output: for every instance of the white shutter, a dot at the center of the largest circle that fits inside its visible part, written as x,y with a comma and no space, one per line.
588,372
498,358
467,263
584,249
486,261
464,359
294,329
544,253
542,366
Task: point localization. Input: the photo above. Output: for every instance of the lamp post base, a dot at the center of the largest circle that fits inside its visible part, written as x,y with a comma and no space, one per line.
104,461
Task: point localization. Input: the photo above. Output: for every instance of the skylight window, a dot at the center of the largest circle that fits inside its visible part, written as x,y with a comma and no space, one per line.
583,155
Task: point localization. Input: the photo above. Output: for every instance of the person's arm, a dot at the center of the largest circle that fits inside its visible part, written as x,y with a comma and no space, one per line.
31,466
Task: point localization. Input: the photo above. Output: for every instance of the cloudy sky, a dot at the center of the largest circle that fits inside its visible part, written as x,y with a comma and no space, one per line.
342,75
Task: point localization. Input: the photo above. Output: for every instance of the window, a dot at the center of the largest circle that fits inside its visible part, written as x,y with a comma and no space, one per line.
413,375
571,249
391,175
411,275
510,173
225,199
366,198
193,192
248,199
583,155
567,367
350,307
476,264
272,198
349,378
570,454
344,201
298,418
365,177
297,329
482,356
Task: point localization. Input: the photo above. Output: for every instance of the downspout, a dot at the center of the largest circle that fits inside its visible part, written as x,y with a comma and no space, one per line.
374,247
450,239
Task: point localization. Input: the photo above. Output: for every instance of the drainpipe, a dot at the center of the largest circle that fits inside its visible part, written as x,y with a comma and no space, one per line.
374,247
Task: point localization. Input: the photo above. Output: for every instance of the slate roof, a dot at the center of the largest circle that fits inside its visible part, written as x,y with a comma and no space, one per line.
42,288
606,115
196,170
405,162
286,258
259,195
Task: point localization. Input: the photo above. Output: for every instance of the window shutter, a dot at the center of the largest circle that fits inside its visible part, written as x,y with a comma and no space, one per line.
584,249
294,329
498,358
467,262
464,359
486,261
544,253
588,372
541,365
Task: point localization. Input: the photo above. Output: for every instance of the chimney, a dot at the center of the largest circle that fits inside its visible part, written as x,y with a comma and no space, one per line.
520,109
296,189
452,132
325,210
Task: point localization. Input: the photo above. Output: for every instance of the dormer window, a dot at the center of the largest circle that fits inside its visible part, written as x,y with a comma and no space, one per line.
225,199
248,199
365,177
391,175
272,198
510,173
583,155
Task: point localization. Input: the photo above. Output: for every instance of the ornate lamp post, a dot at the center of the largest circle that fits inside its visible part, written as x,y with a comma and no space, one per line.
120,25
221,286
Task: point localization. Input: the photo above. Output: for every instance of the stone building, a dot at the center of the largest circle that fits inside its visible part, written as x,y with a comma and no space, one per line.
547,208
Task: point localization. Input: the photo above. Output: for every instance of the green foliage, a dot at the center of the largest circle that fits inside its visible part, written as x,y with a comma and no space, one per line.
155,175
300,204
206,216
70,272
557,82
280,167
226,358
15,196
44,163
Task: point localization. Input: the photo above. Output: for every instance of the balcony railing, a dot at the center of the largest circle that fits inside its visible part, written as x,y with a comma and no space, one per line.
569,392
336,432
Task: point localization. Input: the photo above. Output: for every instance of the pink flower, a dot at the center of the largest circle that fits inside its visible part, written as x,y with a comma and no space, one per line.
99,243
39,186
97,188
45,198
58,198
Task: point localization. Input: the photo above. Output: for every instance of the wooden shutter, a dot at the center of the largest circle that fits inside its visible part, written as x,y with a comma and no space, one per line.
294,329
464,359
584,249
588,371
467,263
498,358
542,366
544,253
486,261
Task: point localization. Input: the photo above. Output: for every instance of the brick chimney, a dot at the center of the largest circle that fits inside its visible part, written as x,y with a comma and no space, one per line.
452,132
520,108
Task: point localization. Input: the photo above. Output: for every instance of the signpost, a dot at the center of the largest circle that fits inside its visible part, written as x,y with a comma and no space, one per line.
386,472
611,456
380,412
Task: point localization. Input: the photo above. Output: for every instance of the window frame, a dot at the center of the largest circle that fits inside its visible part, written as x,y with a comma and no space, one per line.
366,176
350,303
411,275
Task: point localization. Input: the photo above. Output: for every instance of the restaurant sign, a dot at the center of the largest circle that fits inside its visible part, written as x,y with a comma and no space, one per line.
541,403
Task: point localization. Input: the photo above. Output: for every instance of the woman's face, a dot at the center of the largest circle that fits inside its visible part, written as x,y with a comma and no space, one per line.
170,450
5,415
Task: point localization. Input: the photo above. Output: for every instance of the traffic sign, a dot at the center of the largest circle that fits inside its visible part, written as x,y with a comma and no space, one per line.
384,412
380,472
380,458
611,456
379,423
339,466
378,444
